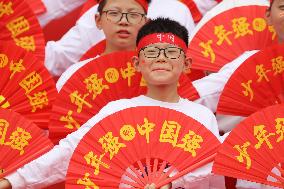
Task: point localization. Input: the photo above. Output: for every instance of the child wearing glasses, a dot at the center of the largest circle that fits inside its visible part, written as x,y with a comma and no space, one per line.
161,59
67,51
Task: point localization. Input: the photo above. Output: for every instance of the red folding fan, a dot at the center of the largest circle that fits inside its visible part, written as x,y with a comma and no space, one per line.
26,86
105,79
37,6
257,83
228,30
254,150
21,141
133,151
19,24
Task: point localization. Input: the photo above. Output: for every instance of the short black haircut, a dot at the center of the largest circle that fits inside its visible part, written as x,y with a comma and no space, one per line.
103,3
163,25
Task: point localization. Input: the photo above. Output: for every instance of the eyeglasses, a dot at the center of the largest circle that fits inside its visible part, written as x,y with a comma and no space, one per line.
169,52
131,17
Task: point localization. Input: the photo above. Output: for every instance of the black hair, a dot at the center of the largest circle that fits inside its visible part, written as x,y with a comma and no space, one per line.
103,3
163,25
269,8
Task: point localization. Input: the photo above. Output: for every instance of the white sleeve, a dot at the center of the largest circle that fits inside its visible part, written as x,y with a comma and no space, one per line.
56,9
210,87
51,167
205,5
68,50
244,184
169,9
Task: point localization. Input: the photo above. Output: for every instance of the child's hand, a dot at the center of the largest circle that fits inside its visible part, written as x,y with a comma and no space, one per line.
152,186
5,184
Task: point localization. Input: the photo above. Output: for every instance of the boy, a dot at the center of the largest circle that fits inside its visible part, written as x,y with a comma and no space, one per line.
161,46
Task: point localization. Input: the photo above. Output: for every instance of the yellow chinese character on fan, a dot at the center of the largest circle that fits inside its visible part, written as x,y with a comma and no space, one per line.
278,65
241,27
87,182
27,43
16,67
248,90
31,82
191,142
94,85
38,100
128,73
243,154
71,122
169,132
3,102
79,101
110,144
279,128
19,140
259,24
3,130
260,134
18,26
95,162
6,9
3,60
261,72
222,35
272,30
127,132
145,129
112,75
208,51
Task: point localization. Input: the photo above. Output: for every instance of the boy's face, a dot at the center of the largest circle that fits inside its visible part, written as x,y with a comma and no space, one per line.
161,63
275,17
121,34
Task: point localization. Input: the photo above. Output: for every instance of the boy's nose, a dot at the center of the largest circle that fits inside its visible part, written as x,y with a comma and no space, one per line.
123,19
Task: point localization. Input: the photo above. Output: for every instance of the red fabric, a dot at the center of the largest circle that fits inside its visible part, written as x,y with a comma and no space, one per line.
196,14
37,6
161,38
21,141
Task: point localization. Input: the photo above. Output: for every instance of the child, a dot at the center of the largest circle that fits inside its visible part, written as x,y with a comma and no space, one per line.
67,51
161,60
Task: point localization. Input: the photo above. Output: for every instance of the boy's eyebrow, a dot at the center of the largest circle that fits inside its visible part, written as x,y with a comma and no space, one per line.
130,9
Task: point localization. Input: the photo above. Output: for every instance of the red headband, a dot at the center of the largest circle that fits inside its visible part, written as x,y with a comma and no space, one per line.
161,38
143,3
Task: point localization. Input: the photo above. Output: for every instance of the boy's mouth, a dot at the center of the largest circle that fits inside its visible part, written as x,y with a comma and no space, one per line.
123,33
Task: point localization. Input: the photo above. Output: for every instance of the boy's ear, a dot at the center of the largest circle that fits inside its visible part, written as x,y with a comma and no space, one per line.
268,17
98,21
135,62
187,63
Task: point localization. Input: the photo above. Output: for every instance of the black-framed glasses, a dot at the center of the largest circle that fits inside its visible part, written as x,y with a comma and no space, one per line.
169,52
131,17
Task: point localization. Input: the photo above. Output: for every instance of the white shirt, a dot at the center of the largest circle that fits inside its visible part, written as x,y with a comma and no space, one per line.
56,9
52,167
